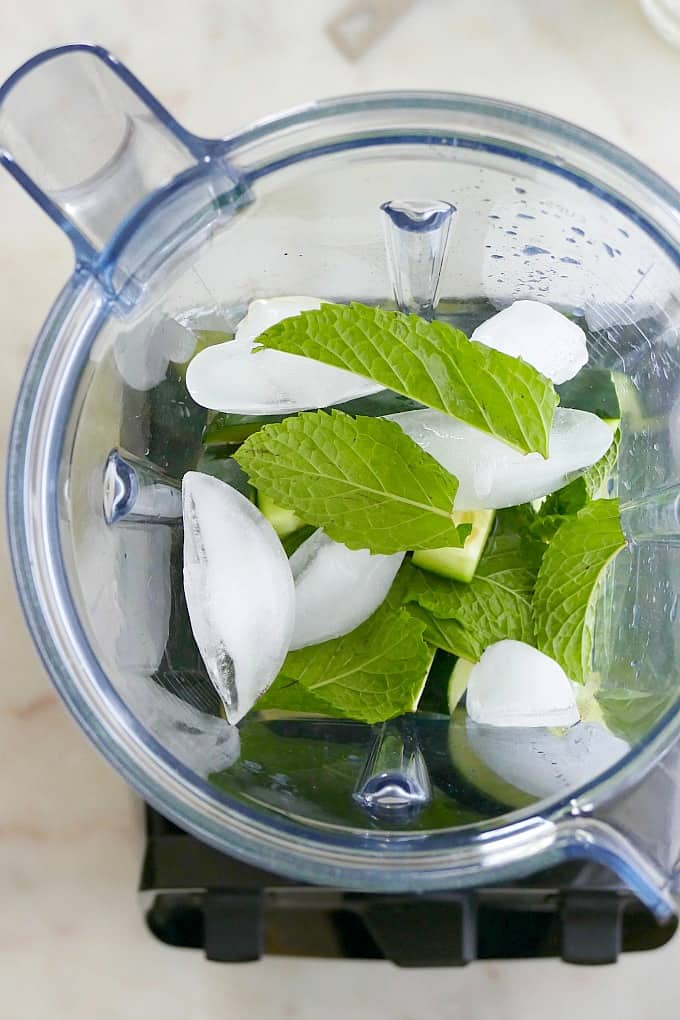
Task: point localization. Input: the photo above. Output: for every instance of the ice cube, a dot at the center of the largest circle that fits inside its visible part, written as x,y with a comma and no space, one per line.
202,742
336,588
229,377
142,356
544,763
514,684
539,335
492,474
239,591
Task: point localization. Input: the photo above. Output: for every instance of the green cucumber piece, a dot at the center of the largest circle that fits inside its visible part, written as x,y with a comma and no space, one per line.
458,682
227,429
283,521
456,563
227,470
433,698
293,541
231,429
591,390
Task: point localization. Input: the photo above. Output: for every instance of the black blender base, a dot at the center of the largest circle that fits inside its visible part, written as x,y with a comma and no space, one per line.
199,898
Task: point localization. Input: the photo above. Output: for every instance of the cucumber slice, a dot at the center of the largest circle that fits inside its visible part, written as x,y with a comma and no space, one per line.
232,429
434,696
458,682
591,390
476,773
227,429
293,541
227,470
459,564
284,522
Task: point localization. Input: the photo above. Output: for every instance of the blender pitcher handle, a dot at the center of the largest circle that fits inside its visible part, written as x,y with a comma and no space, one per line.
88,142
636,835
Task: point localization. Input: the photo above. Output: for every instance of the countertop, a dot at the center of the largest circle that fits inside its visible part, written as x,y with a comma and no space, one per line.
72,941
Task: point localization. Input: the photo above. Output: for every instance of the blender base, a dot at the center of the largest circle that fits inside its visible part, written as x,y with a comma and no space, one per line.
196,897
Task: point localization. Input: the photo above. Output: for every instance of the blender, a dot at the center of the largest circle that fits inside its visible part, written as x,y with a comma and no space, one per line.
420,823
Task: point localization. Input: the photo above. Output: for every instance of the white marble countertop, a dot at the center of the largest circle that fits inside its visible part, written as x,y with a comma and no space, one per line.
72,942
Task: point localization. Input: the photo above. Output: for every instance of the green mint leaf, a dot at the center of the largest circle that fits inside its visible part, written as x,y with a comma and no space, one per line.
288,695
567,581
361,479
597,478
430,362
497,603
595,483
448,635
375,672
370,676
545,526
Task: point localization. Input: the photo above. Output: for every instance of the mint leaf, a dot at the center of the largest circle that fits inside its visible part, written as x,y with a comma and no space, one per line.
373,673
430,362
288,695
595,483
361,479
567,581
497,603
370,676
449,635
597,478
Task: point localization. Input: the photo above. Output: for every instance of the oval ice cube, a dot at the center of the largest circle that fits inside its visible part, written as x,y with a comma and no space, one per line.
230,377
202,742
543,763
492,474
514,684
239,591
336,588
142,356
539,335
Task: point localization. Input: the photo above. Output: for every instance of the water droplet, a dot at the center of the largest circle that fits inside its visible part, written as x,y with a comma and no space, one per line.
573,262
533,249
525,216
521,191
624,232
496,256
579,231
609,250
492,216
673,611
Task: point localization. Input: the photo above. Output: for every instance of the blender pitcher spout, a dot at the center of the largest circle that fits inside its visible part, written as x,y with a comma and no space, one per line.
89,143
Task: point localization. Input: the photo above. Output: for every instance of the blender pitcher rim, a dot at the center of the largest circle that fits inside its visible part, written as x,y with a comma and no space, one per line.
170,800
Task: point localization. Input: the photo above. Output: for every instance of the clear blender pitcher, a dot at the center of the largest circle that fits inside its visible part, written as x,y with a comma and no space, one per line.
173,236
